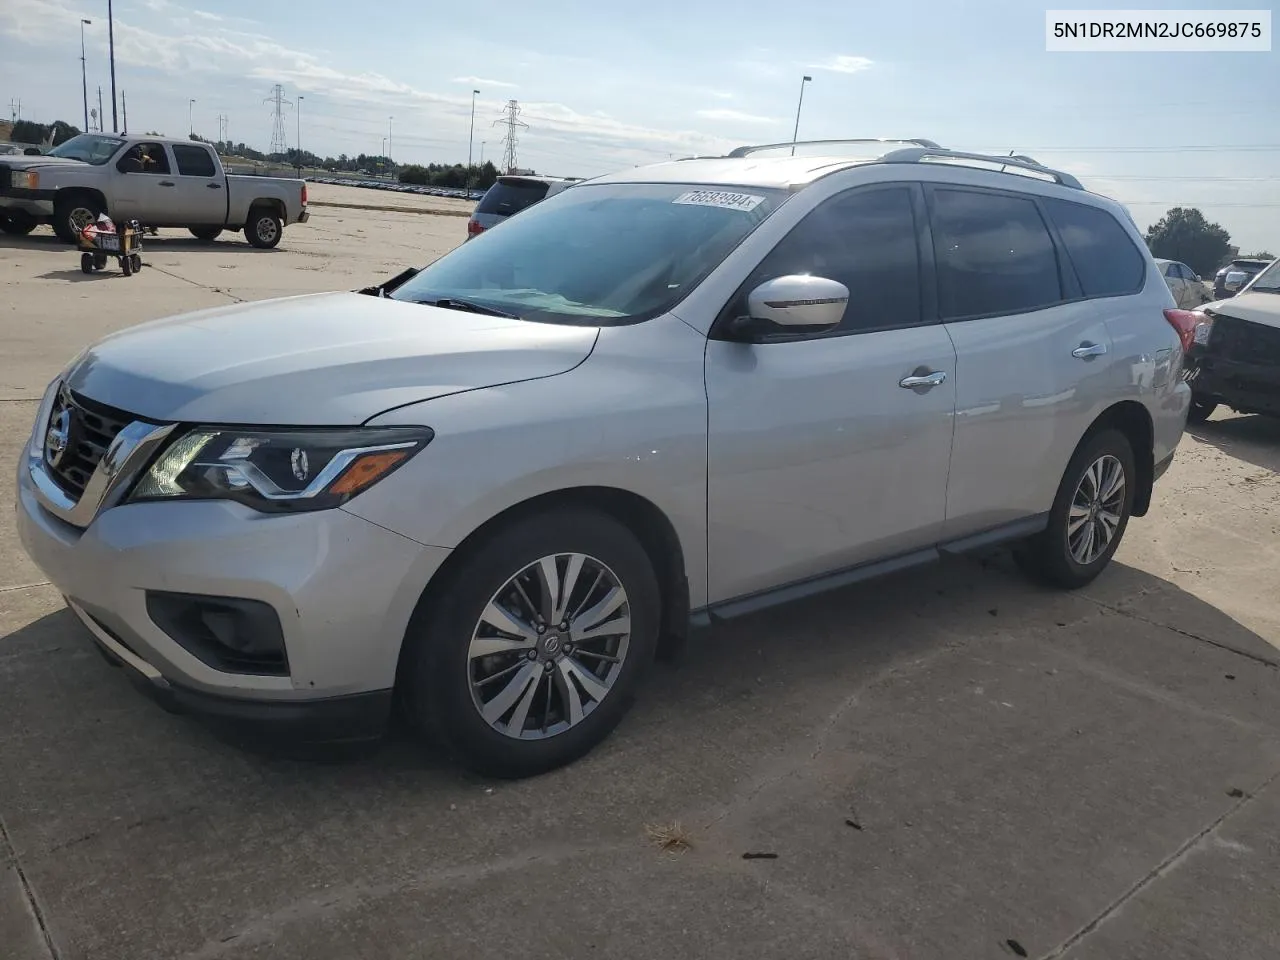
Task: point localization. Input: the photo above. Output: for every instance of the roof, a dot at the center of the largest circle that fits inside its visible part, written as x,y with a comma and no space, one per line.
781,172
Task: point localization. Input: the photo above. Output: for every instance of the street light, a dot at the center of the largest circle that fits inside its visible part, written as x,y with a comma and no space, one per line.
298,117
796,132
84,80
472,136
482,143
387,152
111,52
191,127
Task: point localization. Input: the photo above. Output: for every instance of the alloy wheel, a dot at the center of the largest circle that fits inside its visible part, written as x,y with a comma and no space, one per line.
1096,510
549,646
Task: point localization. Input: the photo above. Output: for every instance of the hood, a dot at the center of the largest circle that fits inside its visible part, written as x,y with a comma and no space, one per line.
332,359
19,161
1263,308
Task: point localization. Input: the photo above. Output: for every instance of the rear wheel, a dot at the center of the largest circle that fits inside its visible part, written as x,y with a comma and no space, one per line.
205,233
86,263
126,266
1089,514
1201,408
532,652
264,228
17,222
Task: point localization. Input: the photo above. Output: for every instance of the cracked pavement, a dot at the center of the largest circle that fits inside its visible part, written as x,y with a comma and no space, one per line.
949,763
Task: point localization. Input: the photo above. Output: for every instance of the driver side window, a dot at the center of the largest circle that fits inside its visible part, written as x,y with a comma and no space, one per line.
144,158
866,240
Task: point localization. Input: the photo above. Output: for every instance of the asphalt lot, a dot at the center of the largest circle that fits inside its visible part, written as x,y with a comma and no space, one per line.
947,764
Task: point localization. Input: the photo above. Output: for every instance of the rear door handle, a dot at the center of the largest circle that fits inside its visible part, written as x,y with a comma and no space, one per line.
1087,351
166,183
923,380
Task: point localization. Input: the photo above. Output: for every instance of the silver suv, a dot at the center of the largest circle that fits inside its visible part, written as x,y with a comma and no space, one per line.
508,196
669,396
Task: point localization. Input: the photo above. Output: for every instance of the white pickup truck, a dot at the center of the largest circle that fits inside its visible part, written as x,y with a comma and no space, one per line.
158,182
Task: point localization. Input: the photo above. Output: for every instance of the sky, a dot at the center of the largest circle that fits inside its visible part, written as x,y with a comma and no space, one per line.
603,88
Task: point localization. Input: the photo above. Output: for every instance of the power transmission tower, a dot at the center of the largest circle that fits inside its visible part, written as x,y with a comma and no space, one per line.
222,127
279,142
15,109
511,120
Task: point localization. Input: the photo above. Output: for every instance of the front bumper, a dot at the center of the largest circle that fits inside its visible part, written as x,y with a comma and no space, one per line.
1244,387
34,203
343,589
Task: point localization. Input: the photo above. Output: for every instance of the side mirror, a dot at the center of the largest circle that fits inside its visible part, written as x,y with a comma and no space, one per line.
799,301
1233,281
31,152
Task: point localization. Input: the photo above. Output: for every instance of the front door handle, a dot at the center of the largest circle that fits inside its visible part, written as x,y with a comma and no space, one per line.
214,186
1087,350
166,183
923,380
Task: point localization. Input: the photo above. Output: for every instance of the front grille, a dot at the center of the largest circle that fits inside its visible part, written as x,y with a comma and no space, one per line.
1243,342
90,427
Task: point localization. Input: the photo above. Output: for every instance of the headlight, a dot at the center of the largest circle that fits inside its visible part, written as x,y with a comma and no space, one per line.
278,470
1204,327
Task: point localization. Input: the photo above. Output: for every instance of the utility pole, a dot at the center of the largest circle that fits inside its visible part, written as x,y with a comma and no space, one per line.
84,76
298,144
388,148
191,126
111,50
279,142
102,117
124,110
511,120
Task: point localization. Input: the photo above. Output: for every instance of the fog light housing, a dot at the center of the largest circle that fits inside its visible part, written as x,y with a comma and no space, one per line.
229,634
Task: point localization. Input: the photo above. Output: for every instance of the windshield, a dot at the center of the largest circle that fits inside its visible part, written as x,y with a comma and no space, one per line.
89,147
1268,281
598,253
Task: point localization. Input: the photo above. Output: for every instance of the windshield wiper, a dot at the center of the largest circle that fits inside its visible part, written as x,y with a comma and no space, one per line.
469,306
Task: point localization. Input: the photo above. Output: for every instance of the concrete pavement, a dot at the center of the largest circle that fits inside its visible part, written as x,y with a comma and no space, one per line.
950,763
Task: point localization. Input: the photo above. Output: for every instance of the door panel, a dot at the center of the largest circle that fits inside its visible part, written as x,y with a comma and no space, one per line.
147,184
818,459
200,195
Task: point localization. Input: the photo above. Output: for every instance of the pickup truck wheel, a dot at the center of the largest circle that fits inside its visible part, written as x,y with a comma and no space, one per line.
264,229
72,214
205,233
17,223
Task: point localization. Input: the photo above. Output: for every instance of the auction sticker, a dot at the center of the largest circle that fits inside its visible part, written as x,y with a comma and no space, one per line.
720,198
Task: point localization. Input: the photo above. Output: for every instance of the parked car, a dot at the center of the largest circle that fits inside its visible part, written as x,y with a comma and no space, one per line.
159,182
1188,289
494,489
1235,357
1228,281
508,196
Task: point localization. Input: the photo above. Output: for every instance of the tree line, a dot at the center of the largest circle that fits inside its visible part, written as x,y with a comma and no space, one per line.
1183,234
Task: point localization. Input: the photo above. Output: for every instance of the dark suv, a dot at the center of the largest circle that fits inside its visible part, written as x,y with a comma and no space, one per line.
1235,275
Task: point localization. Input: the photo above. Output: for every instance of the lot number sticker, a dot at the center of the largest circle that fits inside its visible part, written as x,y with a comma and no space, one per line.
719,198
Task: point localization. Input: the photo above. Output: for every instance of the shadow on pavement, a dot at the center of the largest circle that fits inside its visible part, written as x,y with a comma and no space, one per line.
1013,760
1252,438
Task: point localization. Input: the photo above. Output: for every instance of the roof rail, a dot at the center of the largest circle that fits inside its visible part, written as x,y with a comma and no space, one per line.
748,150
925,154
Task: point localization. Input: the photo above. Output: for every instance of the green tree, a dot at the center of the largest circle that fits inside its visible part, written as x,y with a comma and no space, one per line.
1260,255
1184,234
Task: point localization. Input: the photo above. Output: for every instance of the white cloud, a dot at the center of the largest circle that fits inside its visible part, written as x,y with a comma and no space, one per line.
735,116
205,15
844,64
483,82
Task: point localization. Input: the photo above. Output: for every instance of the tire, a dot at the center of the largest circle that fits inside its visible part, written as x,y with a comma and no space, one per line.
126,266
86,263
17,224
264,229
136,260
1201,408
1055,556
99,261
206,234
70,210
438,673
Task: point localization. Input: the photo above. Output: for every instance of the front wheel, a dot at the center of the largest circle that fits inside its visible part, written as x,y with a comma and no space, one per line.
72,213
17,223
126,266
1089,514
264,229
532,652
86,263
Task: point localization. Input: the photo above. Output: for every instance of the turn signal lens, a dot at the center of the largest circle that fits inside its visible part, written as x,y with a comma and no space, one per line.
367,471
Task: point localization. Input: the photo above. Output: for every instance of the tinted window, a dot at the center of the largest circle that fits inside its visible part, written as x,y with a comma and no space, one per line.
994,255
1106,260
511,196
194,161
867,241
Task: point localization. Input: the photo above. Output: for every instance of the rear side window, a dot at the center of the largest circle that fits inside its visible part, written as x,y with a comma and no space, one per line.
511,196
1106,260
994,255
194,161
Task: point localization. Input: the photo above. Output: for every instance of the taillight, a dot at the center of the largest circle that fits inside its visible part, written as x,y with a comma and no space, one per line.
473,228
304,193
1185,322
